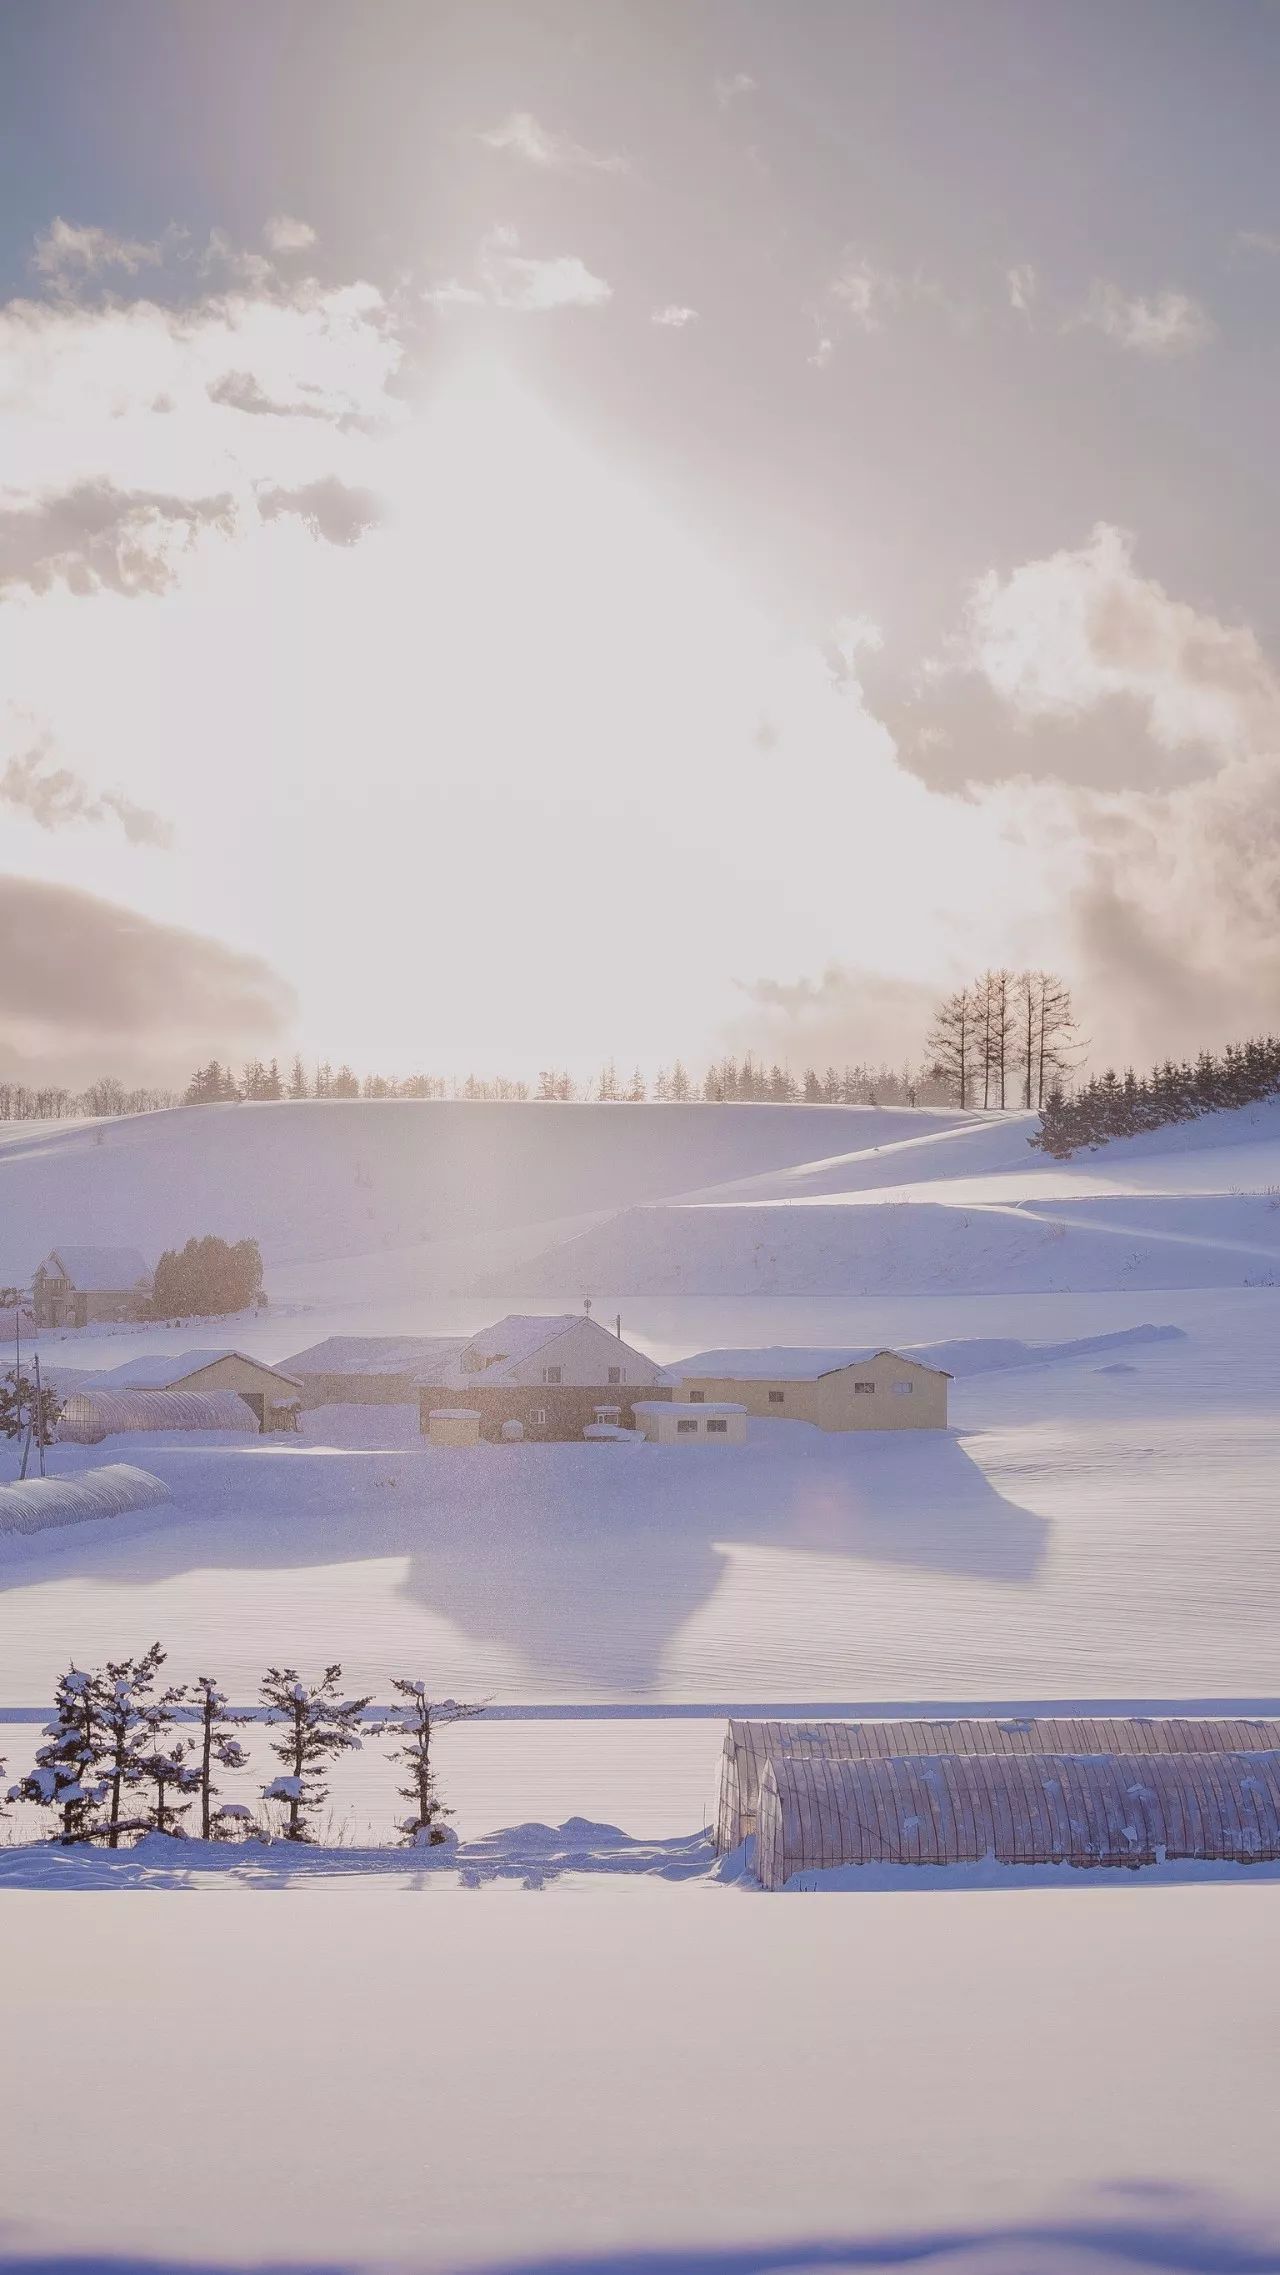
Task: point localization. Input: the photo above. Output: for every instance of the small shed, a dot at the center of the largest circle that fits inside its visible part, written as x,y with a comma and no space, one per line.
717,1423
748,1746
1017,1809
453,1426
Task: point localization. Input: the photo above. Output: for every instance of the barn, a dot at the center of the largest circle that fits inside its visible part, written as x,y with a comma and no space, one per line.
373,1370
833,1390
272,1396
750,1746
74,1287
1017,1809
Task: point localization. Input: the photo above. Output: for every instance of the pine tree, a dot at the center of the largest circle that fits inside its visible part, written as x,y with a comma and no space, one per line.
298,1079
220,1748
315,1725
414,1722
129,1716
68,1771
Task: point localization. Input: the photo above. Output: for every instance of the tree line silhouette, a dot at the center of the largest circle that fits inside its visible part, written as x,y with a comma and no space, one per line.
1115,1105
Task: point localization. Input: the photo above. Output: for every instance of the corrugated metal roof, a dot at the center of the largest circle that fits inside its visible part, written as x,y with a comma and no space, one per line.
1085,1809
162,1370
422,1358
748,1746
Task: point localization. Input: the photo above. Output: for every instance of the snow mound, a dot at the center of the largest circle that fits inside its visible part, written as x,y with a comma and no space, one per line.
38,1504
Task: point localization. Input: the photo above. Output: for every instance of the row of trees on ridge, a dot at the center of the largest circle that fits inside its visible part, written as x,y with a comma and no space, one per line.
1113,1105
124,1757
1004,1039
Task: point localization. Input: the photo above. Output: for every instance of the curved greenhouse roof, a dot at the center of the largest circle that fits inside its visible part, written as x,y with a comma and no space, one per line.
1017,1809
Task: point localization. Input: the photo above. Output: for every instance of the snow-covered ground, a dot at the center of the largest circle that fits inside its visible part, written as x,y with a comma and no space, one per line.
650,2067
641,2077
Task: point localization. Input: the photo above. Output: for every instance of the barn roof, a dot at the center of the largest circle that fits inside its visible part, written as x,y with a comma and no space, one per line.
422,1357
1019,1809
164,1369
785,1362
102,1271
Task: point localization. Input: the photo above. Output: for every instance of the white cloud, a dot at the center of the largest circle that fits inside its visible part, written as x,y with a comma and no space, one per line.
730,89
1023,285
55,797
67,249
1264,241
863,292
674,316
283,234
509,278
1165,323
822,353
1059,636
524,137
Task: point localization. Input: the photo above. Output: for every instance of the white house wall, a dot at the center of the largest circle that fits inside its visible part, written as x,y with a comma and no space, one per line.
584,1355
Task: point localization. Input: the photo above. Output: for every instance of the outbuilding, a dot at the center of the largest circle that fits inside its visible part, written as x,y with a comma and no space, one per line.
453,1426
674,1424
1017,1809
78,1286
272,1396
550,1374
374,1370
750,1746
833,1390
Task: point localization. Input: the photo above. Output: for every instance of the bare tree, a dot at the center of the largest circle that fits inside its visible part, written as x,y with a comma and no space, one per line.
1056,1033
952,1044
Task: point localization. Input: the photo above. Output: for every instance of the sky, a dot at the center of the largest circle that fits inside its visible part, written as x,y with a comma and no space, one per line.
597,528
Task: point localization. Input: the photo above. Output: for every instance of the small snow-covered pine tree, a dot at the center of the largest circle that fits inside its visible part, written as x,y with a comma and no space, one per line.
414,1722
315,1724
218,1746
130,1718
67,1774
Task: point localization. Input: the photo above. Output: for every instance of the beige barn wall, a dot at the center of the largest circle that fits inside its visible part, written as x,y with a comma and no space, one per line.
831,1403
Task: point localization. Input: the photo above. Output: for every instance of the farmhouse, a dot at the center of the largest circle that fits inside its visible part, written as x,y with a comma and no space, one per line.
75,1287
550,1377
373,1370
835,1390
272,1396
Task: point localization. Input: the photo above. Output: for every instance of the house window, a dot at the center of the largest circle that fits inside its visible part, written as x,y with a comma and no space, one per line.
776,1397
686,1428
716,1429
697,1398
552,1374
861,1386
540,1418
616,1375
903,1389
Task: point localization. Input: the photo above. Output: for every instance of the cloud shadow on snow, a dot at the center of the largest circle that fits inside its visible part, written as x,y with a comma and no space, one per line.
583,1561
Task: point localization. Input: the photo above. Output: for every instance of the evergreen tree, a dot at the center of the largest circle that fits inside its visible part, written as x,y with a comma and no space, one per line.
129,1716
68,1770
414,1721
680,1085
219,1748
298,1079
315,1724
207,1279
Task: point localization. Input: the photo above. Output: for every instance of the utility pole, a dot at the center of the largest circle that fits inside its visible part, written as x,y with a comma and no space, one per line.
39,1414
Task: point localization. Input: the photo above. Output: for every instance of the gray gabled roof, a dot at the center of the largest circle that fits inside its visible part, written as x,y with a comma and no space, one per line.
164,1369
102,1271
785,1362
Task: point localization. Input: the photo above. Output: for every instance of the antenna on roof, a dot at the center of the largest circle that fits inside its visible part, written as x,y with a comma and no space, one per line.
617,1326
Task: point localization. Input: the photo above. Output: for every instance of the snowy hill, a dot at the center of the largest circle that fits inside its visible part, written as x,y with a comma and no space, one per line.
385,1203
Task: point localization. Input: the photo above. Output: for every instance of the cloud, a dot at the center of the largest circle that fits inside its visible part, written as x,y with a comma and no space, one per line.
848,1016
55,797
95,536
673,316
1264,241
1060,636
1170,891
509,278
68,249
330,509
864,293
524,137
822,353
83,980
1023,285
730,90
282,234
1166,323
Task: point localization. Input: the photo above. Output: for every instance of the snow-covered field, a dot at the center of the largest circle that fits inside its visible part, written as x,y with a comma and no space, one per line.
1025,2078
